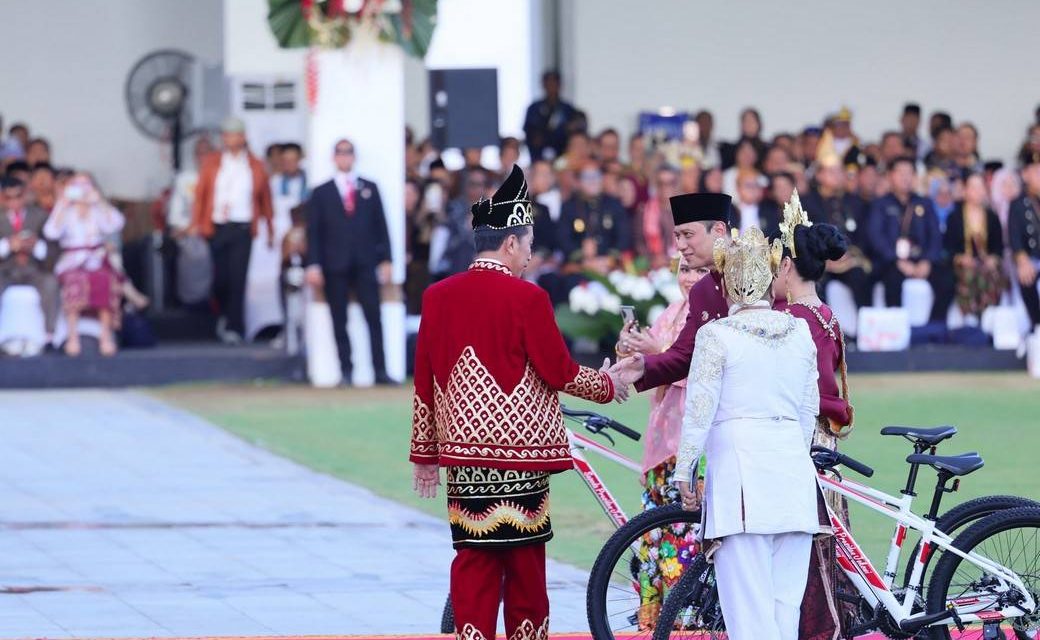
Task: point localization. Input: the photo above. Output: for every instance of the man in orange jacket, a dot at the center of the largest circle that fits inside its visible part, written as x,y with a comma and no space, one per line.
232,198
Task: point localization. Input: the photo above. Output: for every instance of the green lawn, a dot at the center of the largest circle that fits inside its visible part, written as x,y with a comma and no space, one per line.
362,436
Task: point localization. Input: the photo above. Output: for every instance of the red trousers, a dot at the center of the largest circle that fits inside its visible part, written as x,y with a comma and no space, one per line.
481,578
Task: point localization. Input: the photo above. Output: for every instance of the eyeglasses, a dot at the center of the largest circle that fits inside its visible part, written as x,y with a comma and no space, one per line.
344,152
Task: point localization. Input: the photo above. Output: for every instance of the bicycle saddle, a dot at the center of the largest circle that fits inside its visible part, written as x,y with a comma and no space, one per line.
960,465
928,435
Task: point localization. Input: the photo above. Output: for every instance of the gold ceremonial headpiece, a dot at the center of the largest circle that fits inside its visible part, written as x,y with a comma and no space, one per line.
794,215
748,264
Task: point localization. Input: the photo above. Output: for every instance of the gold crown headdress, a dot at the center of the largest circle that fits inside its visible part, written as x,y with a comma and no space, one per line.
794,215
748,263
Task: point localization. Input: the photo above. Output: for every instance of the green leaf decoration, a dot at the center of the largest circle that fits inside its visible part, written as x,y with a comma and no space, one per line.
290,29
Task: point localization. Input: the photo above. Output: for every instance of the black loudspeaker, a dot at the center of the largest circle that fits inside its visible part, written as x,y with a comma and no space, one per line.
463,108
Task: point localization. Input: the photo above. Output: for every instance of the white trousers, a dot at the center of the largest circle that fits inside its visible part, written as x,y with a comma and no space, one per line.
761,580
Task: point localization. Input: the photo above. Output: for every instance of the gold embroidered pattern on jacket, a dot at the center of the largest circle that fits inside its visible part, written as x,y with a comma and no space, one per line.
424,434
485,482
505,512
476,420
590,384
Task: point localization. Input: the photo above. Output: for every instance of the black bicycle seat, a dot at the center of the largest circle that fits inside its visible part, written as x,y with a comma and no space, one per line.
960,465
930,436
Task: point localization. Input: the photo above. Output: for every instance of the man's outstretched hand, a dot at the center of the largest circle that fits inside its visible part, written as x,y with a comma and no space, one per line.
425,480
621,390
630,369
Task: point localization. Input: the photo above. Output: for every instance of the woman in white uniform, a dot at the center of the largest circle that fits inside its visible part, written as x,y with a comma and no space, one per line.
751,406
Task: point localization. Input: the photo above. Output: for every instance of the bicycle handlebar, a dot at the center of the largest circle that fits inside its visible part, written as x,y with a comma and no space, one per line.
829,458
595,422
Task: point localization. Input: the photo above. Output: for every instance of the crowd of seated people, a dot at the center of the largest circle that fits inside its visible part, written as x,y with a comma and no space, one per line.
917,203
923,206
60,238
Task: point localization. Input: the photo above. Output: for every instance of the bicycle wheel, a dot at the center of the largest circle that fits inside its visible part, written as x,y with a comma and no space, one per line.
961,516
692,607
448,617
636,568
1010,538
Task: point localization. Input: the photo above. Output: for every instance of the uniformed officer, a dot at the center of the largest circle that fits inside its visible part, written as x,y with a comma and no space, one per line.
830,203
1024,236
593,227
905,240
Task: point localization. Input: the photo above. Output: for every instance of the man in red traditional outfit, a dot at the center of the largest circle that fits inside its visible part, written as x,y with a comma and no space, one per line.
488,365
699,219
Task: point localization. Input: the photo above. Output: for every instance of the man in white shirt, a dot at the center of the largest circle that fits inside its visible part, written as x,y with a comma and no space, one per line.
750,191
231,198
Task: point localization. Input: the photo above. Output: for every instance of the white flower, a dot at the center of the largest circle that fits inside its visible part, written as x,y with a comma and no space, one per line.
624,285
611,303
614,277
643,290
654,313
578,299
671,292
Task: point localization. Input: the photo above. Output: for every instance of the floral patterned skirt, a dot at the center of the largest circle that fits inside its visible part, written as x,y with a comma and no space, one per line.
979,286
663,553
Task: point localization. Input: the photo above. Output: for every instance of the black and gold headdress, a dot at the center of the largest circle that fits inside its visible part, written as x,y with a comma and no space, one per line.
508,207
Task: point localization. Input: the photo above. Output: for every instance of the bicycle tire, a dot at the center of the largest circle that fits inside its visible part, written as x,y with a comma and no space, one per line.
618,543
695,586
961,516
448,617
975,535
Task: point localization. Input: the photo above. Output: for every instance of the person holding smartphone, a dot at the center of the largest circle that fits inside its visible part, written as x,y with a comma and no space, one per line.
81,223
661,439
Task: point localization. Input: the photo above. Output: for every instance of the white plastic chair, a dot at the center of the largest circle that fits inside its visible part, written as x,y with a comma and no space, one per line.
21,321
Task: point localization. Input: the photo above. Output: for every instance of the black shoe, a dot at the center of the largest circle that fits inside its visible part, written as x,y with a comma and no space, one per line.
384,380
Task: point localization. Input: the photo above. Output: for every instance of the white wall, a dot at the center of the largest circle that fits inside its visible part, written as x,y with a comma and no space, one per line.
796,61
474,34
65,64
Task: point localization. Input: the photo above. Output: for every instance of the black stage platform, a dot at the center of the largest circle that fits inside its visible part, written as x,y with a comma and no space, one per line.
188,352
168,364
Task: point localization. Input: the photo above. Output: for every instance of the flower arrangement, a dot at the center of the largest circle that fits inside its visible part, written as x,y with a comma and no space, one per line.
330,24
593,309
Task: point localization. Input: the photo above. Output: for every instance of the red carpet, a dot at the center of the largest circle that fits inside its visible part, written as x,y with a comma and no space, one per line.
555,636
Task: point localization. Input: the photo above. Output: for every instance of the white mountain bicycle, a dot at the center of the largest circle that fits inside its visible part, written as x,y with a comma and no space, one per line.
986,581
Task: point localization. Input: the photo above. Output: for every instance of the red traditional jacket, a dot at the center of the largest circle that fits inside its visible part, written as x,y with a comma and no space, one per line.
489,362
830,350
707,302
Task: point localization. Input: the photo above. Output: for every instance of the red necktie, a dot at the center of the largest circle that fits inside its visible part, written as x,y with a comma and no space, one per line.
348,199
17,220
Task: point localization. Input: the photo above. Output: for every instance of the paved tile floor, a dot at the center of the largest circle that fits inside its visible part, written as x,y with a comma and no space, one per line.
123,516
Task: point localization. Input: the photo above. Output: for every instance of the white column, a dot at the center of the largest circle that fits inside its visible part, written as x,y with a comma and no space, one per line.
361,97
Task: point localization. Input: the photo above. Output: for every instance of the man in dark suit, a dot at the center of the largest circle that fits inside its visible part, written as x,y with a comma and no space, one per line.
829,203
594,227
348,249
23,252
903,233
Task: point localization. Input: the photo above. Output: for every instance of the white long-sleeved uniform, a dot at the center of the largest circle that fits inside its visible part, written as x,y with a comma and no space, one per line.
751,406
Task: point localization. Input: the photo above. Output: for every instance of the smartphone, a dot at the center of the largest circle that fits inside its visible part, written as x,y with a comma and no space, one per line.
628,314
